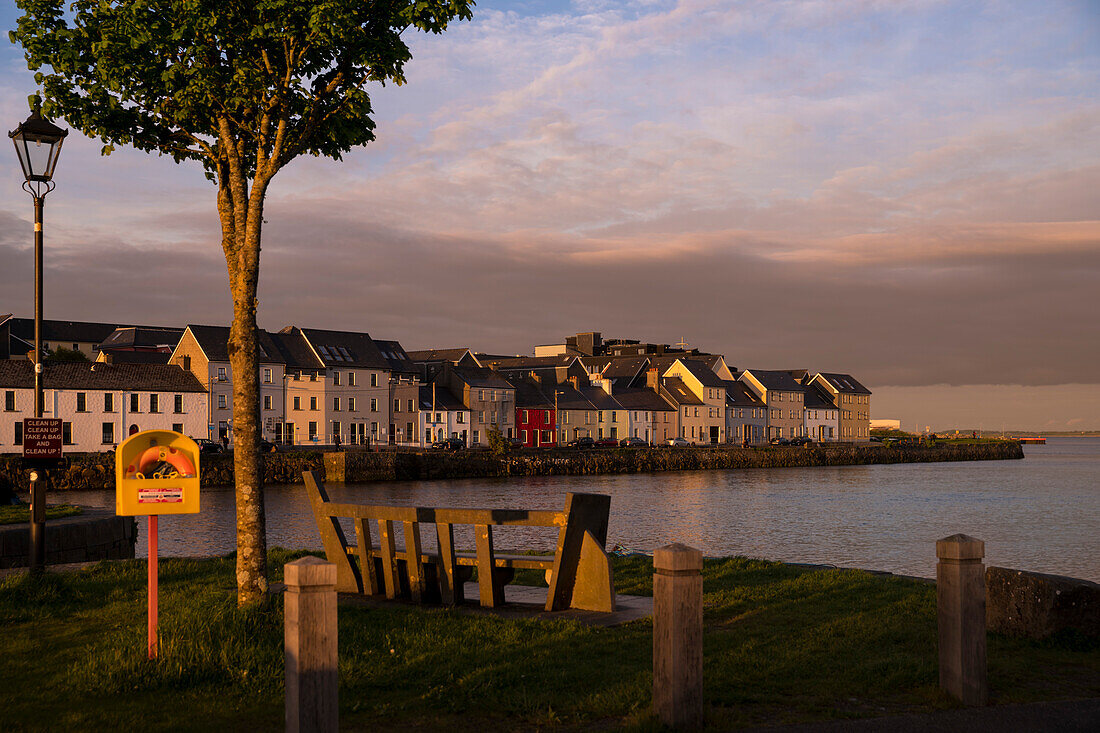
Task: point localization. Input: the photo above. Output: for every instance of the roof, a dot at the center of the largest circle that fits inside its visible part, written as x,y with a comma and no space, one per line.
295,351
396,357
600,400
530,394
738,395
674,389
511,363
444,400
818,399
642,399
616,367
570,398
213,339
141,336
703,373
65,331
481,377
137,357
424,356
344,348
101,376
844,383
777,380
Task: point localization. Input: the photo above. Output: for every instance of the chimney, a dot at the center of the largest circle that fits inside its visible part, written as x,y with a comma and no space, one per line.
651,381
535,377
575,381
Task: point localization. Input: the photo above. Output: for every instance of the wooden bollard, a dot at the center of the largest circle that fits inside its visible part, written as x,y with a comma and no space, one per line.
960,614
310,642
678,636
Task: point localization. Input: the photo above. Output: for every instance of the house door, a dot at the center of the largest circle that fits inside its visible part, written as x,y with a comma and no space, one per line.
278,432
713,433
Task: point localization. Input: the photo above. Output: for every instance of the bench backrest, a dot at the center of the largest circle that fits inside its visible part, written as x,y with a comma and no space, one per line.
584,515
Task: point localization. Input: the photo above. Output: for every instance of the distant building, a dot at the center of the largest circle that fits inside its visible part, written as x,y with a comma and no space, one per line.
101,404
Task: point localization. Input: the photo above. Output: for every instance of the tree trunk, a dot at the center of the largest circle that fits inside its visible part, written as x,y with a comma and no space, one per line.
241,242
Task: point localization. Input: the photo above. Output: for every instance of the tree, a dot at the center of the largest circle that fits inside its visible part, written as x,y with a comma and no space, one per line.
61,354
243,88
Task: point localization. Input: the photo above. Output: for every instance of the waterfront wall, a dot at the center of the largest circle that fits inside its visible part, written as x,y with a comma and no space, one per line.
97,534
96,471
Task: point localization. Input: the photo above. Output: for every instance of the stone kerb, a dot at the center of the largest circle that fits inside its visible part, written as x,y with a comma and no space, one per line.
960,616
678,636
310,641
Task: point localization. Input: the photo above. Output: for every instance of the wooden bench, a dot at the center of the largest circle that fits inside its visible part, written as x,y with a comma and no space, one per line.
578,574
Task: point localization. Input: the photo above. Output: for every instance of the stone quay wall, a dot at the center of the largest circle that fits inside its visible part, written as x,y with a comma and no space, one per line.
97,534
96,471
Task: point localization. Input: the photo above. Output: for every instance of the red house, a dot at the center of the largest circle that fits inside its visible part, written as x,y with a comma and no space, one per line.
535,417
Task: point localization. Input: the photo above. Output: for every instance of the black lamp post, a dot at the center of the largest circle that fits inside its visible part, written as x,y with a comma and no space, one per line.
38,144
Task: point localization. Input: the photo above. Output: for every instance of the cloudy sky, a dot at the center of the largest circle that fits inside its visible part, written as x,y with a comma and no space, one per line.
906,191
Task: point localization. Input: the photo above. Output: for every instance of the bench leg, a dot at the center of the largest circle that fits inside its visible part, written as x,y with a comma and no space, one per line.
492,594
389,557
450,590
371,586
412,561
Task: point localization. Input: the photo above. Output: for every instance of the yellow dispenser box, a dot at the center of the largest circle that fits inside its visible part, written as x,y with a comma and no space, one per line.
157,472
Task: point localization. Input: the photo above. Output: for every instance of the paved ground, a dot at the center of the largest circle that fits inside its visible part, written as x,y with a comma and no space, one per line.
1071,716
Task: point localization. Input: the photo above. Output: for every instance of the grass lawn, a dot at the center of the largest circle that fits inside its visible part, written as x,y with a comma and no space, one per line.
782,644
21,513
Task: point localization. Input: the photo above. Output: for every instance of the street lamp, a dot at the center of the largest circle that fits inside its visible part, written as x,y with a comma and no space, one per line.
38,144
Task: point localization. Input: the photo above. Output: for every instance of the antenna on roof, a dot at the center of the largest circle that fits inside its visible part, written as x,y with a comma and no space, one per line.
682,344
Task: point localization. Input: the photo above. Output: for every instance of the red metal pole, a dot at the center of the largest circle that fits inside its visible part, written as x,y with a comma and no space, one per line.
152,586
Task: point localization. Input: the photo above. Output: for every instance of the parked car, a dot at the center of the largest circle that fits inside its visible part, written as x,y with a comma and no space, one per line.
607,443
633,442
448,444
266,446
585,442
517,443
780,441
208,446
678,442
800,441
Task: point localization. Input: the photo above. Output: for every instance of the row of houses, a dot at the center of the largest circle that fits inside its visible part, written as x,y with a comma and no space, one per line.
342,387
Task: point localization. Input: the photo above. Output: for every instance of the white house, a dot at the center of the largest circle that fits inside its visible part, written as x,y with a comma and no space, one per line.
101,404
442,415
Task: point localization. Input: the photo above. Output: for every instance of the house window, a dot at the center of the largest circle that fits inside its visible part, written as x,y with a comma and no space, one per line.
108,402
351,379
267,402
177,404
351,403
18,432
221,374
66,433
177,427
81,402
612,419
461,419
336,404
313,403
154,403
373,403
313,430
134,403
481,395
187,363
335,429
411,407
397,405
108,433
297,403
9,400
223,403
374,380
409,431
525,416
336,379
267,375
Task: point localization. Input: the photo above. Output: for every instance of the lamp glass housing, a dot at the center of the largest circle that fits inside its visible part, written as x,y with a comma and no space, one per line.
38,145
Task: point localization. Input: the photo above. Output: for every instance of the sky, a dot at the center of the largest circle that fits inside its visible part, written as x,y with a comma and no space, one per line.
903,191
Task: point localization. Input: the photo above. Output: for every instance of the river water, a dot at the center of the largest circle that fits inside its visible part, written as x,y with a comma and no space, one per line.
1040,514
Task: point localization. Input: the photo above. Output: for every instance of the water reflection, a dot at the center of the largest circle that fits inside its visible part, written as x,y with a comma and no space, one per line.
1040,513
